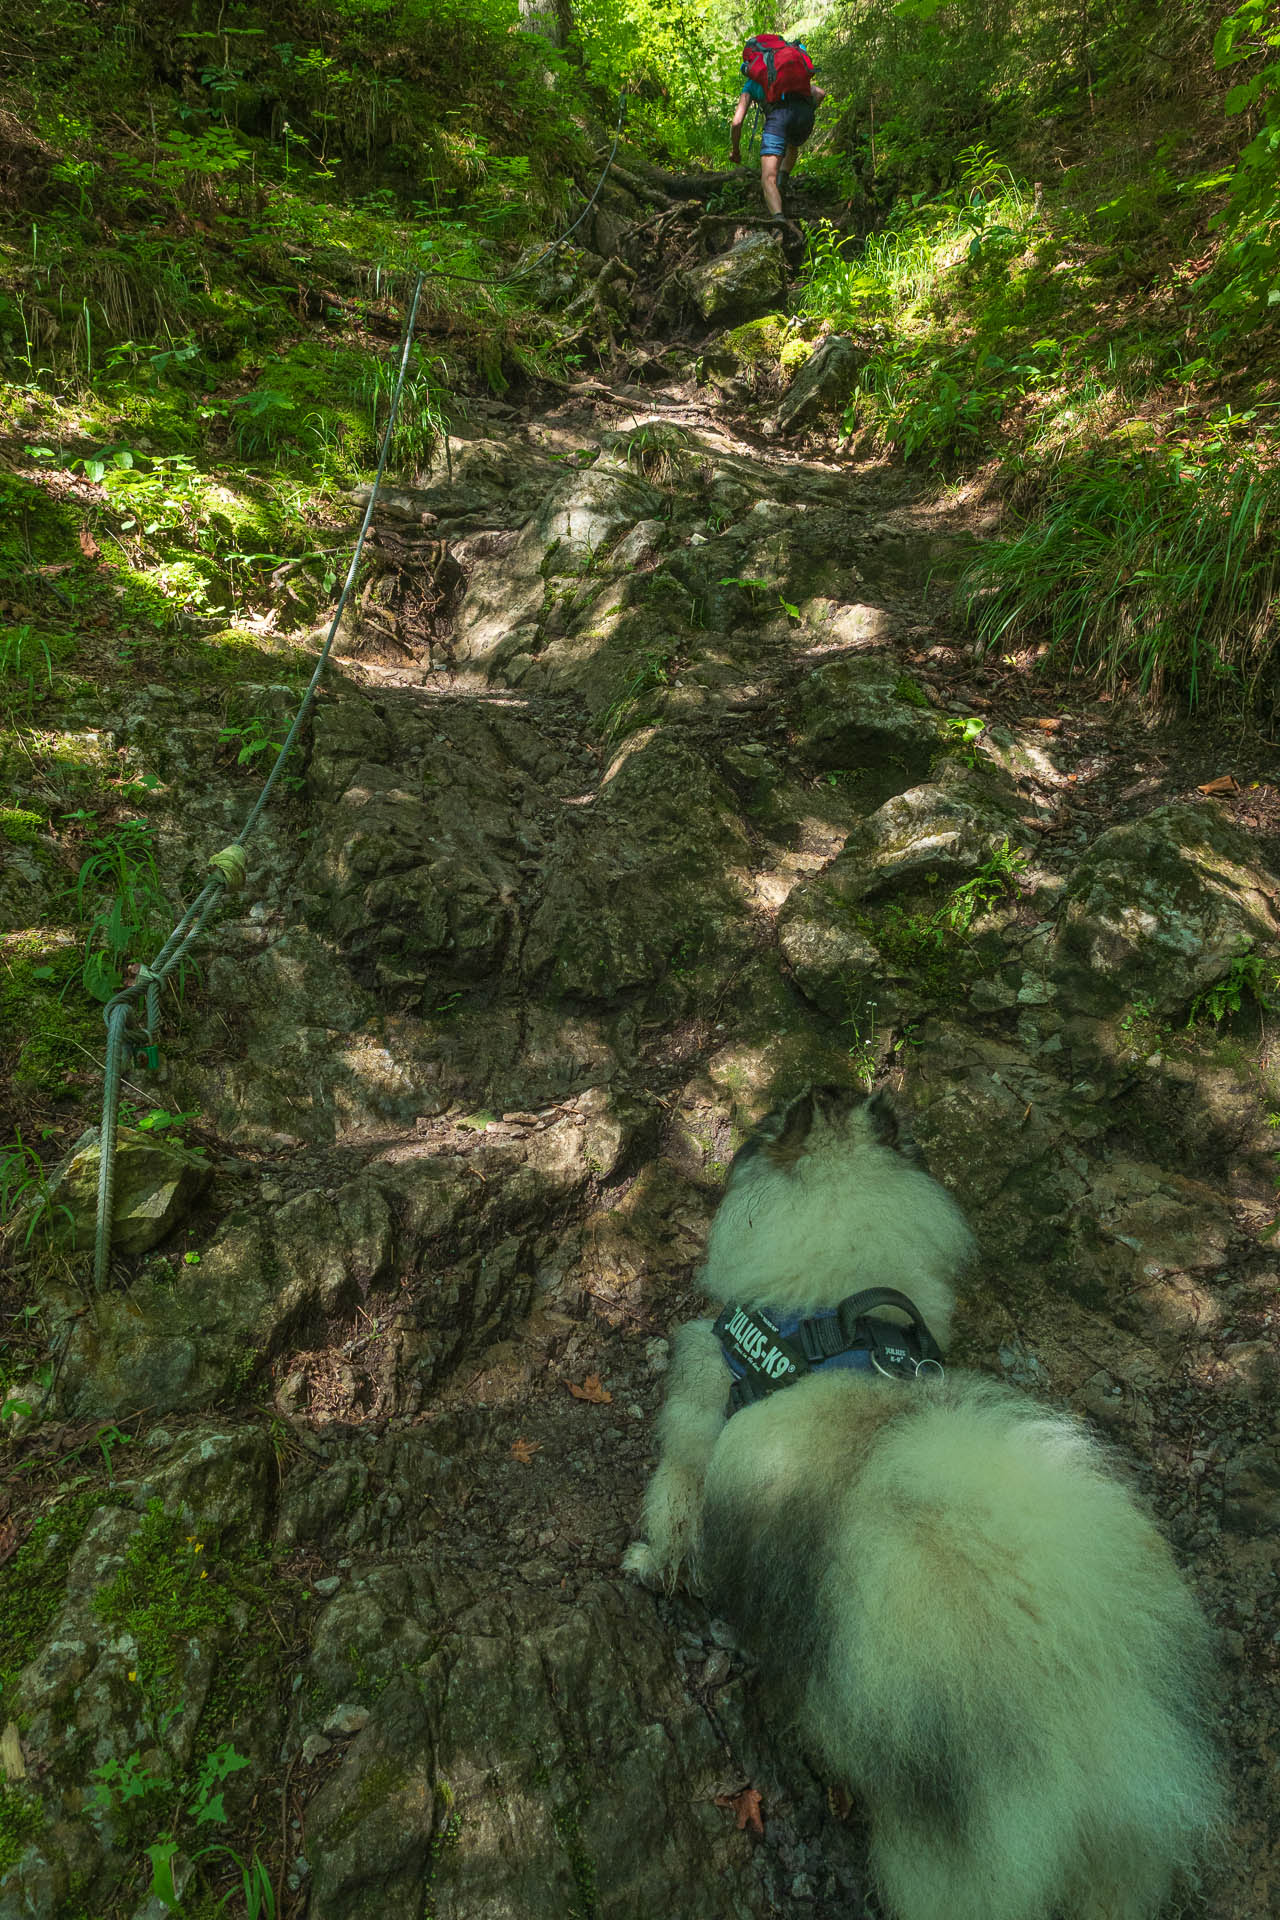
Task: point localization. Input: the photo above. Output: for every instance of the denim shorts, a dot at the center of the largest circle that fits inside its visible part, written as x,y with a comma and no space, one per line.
789,124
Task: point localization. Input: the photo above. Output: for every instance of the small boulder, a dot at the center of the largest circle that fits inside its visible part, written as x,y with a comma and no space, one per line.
860,714
748,280
1161,907
825,381
156,1185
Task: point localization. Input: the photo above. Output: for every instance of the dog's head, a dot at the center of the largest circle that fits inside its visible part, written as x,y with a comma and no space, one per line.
829,1195
828,1119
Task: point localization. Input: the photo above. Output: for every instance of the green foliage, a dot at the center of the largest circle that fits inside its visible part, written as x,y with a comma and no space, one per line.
926,943
24,1188
680,64
1151,569
633,708
164,1595
119,1784
1248,974
121,863
964,732
21,1818
1246,280
996,877
26,660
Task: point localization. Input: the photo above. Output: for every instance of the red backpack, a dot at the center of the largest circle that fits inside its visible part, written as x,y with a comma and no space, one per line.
777,66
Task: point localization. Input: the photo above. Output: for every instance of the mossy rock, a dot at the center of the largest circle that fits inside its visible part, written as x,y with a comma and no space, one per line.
759,342
156,1185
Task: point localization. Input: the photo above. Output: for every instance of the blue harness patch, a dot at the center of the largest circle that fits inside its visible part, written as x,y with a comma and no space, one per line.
765,1350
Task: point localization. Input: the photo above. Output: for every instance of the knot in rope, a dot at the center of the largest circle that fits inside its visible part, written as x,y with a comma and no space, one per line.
230,866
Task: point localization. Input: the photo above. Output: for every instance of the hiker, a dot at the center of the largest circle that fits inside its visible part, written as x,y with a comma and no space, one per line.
777,76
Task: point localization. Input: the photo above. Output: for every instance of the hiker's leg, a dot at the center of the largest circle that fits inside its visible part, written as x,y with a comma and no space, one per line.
798,127
769,182
773,143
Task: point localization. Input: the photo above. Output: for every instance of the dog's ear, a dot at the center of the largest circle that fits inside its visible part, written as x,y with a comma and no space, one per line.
889,1129
783,1136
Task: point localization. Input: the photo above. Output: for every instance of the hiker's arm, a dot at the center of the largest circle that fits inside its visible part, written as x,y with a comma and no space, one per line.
817,95
740,113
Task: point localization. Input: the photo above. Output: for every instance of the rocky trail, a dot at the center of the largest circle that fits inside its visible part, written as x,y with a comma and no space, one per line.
658,777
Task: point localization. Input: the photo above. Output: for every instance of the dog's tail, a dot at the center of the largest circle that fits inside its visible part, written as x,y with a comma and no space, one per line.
1016,1678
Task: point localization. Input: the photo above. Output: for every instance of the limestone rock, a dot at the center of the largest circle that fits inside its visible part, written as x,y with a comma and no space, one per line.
824,382
948,828
156,1185
748,280
517,1710
1160,908
187,1336
855,714
834,961
648,886
932,836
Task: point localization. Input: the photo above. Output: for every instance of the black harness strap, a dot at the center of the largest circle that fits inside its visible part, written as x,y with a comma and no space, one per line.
765,1349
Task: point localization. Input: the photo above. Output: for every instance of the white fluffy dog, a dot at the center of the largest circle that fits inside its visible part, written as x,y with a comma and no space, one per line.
972,1623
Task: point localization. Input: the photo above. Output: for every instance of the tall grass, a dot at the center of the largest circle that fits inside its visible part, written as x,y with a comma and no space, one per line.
1149,571
986,214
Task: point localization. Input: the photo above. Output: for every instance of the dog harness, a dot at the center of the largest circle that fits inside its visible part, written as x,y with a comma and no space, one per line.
766,1350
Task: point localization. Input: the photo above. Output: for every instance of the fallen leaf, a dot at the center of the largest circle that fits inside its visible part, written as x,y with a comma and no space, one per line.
1225,783
9,1539
591,1390
12,1764
88,545
524,1450
1050,724
747,1807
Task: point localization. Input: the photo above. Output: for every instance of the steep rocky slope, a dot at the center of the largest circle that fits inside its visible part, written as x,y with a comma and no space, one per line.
655,780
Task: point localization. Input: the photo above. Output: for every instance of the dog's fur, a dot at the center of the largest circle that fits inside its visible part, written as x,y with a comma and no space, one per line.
971,1621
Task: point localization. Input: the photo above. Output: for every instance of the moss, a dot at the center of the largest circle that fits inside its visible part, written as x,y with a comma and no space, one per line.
909,690
795,353
21,1818
568,1825
33,1584
47,1029
165,1594
234,655
34,528
758,341
382,1779
19,826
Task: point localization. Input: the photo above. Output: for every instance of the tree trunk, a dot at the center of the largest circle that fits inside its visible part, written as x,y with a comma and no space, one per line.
552,19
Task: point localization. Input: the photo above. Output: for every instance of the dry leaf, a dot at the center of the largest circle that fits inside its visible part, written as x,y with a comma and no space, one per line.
1225,783
12,1764
524,1450
88,545
9,1538
591,1390
1050,724
747,1807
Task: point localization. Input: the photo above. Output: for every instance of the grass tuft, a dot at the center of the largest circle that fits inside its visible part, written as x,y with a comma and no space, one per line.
1144,570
